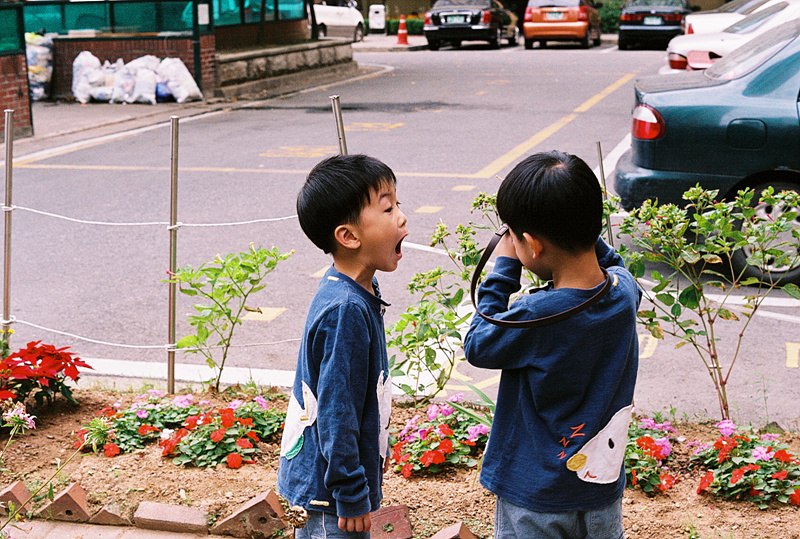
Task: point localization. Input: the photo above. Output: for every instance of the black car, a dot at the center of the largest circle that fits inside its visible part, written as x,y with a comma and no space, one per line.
455,21
651,21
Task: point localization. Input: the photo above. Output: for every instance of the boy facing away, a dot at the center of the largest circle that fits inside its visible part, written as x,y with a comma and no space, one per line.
556,449
335,442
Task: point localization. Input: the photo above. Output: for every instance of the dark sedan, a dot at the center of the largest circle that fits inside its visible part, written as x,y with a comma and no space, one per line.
454,21
651,21
731,126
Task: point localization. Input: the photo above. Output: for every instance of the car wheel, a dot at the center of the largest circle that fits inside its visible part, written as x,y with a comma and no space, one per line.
358,35
773,270
456,43
512,41
598,39
433,45
322,31
495,41
528,43
586,42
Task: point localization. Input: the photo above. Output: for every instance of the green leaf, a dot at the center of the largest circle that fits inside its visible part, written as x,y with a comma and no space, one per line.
792,290
666,299
690,297
190,341
725,314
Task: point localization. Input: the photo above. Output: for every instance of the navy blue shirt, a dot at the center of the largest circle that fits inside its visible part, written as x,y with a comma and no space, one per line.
563,405
335,437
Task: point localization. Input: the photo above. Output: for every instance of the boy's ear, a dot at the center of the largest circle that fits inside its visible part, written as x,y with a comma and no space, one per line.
535,243
346,237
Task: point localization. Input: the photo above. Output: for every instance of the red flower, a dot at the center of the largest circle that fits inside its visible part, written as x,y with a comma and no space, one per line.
737,474
228,419
253,435
784,456
234,460
111,450
753,493
444,430
107,411
191,422
794,497
145,429
5,394
247,421
780,475
80,438
407,469
218,435
650,447
405,457
244,443
705,482
446,446
667,481
431,457
633,480
725,445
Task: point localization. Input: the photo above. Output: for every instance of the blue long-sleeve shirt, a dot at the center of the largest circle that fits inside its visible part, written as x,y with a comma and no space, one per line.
332,454
562,386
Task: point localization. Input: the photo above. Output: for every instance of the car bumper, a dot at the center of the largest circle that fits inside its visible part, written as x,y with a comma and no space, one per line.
634,184
648,33
464,33
555,31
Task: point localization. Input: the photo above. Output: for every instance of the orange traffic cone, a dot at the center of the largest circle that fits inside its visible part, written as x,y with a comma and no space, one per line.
402,32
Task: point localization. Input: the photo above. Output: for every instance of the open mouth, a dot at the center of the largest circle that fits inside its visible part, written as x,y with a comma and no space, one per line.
398,249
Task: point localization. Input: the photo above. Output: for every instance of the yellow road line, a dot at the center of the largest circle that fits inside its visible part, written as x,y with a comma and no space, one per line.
648,343
594,100
267,314
793,355
429,209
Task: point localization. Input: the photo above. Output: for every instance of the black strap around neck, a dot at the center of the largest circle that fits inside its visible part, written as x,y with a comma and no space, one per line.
539,322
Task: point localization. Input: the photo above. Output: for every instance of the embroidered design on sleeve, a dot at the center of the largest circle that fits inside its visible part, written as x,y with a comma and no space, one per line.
600,459
297,419
384,391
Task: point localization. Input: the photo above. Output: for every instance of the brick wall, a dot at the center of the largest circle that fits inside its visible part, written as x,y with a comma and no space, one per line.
14,95
66,49
246,35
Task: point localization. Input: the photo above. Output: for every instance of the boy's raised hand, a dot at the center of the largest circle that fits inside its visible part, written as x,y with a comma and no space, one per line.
505,247
355,524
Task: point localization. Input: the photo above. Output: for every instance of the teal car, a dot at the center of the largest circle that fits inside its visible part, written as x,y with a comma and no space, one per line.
731,126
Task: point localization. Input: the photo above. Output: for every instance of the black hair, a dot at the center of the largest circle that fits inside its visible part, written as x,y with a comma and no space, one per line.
335,192
554,195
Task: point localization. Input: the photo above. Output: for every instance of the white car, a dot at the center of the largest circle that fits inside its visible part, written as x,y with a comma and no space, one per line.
340,19
716,20
699,51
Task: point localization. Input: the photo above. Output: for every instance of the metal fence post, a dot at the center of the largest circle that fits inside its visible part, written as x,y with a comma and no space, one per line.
173,252
9,140
337,116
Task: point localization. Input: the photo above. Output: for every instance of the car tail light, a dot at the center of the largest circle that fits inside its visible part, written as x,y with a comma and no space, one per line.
672,17
677,61
689,29
529,14
583,13
631,17
647,123
428,18
486,17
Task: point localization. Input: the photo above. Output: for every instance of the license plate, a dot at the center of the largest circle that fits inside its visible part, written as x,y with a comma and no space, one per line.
456,19
554,15
652,21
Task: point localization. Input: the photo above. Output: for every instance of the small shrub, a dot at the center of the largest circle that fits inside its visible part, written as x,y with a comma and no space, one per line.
40,370
647,455
609,16
413,26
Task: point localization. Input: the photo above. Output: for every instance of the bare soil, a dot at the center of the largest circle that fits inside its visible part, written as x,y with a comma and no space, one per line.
434,502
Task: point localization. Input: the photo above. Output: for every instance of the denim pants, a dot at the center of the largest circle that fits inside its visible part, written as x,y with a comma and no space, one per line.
514,522
325,526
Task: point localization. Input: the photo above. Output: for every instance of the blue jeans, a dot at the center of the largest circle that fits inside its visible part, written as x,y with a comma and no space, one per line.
514,522
325,526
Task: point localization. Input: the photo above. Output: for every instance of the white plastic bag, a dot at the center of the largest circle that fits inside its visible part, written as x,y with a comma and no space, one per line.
143,62
39,53
179,80
124,82
84,67
144,88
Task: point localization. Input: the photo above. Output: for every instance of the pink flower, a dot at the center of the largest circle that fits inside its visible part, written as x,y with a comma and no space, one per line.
155,393
446,410
458,397
17,416
727,427
183,401
761,453
475,432
770,437
666,447
262,402
234,404
433,412
409,426
142,413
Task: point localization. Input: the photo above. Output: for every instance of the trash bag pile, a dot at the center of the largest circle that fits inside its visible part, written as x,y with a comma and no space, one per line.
143,80
39,53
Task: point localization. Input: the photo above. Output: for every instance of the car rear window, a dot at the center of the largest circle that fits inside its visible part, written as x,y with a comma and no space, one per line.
553,3
755,52
461,3
751,22
667,3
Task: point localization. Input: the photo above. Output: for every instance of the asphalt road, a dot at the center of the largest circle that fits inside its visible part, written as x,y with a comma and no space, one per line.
450,123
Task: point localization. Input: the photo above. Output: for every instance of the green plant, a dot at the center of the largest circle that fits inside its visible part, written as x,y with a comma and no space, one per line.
695,243
648,453
40,370
743,465
429,334
414,26
445,439
226,284
609,16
